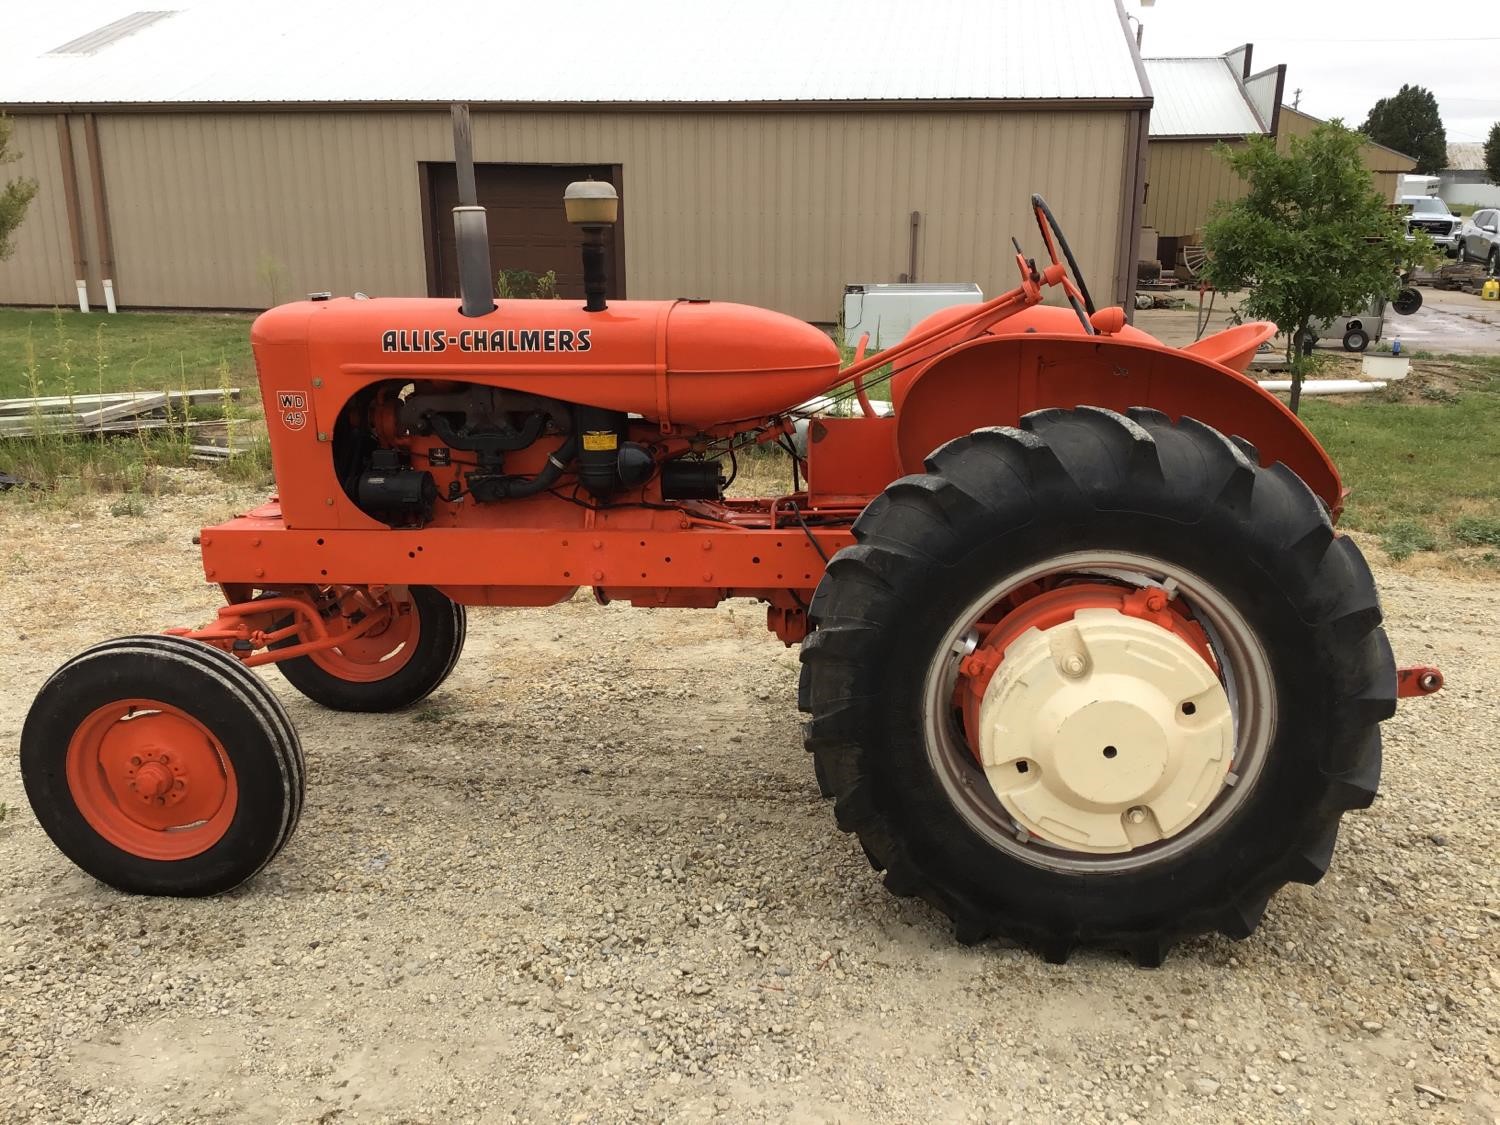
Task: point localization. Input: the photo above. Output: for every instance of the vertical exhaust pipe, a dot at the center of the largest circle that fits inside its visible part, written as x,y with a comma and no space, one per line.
476,282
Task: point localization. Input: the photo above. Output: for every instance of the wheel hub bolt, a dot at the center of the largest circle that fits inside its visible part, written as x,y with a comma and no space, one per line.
1073,664
153,780
1136,815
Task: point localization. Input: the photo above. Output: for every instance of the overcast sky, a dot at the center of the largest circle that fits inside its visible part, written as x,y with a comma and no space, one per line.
1346,54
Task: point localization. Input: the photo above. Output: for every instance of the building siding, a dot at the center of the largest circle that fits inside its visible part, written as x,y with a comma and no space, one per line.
41,268
1184,179
1386,165
1188,177
239,209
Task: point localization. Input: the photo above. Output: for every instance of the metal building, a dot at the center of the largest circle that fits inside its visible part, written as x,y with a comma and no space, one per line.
229,156
1465,179
1201,102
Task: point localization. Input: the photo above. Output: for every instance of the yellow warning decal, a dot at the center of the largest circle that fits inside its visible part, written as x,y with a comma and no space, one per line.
595,440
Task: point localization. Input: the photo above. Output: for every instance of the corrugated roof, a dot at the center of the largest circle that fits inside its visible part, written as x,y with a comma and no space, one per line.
1465,156
214,51
1199,98
101,37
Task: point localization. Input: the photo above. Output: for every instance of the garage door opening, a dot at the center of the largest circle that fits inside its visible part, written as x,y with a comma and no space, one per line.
528,230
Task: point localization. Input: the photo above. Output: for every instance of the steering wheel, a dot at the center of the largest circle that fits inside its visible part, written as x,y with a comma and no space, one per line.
1072,281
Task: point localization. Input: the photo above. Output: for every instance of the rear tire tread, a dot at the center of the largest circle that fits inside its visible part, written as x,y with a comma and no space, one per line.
1095,460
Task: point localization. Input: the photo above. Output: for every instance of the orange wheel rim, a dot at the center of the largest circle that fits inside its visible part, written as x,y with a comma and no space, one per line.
151,779
380,652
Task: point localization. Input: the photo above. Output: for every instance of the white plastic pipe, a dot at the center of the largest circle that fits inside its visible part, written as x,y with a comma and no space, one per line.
109,295
1324,386
83,295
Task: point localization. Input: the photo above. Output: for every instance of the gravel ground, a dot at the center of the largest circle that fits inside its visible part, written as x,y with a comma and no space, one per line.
591,880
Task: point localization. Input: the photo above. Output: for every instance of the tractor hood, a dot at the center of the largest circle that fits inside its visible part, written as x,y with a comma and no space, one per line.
689,362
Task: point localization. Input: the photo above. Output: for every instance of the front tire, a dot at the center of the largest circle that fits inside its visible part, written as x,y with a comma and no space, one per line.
1252,544
162,766
390,668
1356,340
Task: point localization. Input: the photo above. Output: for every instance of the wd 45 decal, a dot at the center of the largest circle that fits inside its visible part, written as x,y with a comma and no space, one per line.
479,340
293,408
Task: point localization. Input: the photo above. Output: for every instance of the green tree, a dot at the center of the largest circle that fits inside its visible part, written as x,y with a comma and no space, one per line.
1408,122
14,196
1310,239
1492,154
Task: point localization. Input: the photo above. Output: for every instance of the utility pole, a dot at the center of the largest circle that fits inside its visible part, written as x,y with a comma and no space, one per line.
1296,97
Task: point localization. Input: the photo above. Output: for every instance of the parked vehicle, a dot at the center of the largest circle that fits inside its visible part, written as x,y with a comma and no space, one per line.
1432,215
1479,240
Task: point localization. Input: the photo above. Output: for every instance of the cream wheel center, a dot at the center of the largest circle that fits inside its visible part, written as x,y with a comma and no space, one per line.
1105,733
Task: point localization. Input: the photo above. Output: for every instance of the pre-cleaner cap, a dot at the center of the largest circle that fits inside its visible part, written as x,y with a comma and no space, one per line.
591,202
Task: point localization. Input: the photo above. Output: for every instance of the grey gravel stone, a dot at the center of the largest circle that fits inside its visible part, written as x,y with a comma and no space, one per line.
682,933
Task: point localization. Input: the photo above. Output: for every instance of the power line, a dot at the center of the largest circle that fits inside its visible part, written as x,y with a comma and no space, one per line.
1396,39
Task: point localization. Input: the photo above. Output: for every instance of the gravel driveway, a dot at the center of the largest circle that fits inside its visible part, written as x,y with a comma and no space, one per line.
592,880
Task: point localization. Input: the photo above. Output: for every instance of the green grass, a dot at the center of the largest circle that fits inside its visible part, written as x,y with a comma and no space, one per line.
65,351
1424,476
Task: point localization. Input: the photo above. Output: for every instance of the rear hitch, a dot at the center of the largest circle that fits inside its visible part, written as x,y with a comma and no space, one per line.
1420,679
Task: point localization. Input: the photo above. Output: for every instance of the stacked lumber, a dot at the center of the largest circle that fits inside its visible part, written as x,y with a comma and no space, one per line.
126,412
1465,276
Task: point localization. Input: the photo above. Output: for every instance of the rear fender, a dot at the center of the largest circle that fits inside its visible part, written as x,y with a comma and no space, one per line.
995,381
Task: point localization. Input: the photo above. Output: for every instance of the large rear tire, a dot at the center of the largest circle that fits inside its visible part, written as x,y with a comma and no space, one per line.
390,668
1078,501
162,766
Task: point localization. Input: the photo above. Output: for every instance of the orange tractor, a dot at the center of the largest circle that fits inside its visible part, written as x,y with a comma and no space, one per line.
1085,660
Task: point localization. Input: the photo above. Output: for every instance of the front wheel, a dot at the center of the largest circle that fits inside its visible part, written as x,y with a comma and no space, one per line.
1099,681
1356,340
162,766
400,661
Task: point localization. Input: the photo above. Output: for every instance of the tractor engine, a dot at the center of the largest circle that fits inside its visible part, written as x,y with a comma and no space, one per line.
400,449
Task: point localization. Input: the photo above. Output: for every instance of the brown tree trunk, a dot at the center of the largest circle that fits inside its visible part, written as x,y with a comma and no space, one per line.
1297,362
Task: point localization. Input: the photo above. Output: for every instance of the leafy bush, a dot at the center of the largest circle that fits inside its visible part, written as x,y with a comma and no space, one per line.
523,284
1405,538
1476,531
